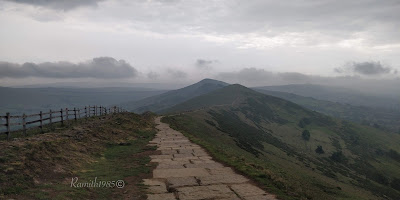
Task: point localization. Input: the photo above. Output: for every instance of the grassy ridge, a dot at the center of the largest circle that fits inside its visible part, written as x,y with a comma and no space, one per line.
262,137
111,148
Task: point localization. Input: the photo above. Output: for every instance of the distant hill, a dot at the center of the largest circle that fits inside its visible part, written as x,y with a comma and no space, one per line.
163,101
81,84
32,100
337,94
383,118
294,152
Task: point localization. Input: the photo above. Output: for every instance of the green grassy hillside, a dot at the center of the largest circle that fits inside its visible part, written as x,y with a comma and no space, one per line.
292,151
382,118
108,148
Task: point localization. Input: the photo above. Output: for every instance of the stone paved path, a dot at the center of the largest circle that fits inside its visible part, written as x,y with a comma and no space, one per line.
185,172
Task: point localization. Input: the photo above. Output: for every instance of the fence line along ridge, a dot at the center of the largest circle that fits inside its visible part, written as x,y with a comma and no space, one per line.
51,117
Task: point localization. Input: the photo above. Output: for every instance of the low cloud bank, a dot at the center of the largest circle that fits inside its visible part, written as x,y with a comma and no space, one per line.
371,68
58,4
205,64
259,77
101,67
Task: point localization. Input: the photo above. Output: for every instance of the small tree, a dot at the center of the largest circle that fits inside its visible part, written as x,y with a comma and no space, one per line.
339,157
319,150
304,122
306,135
301,124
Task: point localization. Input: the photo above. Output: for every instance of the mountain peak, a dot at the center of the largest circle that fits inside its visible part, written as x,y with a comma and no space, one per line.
173,97
227,95
213,81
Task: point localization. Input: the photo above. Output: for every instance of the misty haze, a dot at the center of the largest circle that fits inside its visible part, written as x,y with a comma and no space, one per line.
214,99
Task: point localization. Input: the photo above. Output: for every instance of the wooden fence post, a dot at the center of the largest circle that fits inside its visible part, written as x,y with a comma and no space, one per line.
24,123
75,114
79,113
50,117
101,110
41,121
8,125
95,110
62,117
66,114
85,112
105,110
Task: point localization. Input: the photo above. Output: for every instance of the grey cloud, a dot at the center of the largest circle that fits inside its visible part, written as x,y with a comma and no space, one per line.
205,64
371,68
365,68
152,75
260,77
255,76
335,20
176,73
59,4
101,67
294,76
247,75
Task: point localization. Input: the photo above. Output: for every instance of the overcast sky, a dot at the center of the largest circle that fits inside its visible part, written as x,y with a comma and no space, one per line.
255,42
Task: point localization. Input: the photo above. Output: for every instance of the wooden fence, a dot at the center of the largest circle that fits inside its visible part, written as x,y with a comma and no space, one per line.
51,117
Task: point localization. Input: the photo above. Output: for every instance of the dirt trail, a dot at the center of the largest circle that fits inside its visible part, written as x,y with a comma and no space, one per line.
185,172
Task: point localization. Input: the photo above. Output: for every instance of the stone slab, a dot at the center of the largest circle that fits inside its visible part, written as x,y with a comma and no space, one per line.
185,151
165,166
168,152
205,192
174,182
224,170
186,155
261,197
165,196
204,165
222,179
246,189
185,172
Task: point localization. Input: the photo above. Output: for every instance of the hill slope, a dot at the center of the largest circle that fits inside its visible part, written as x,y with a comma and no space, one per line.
337,94
382,118
109,147
171,98
294,152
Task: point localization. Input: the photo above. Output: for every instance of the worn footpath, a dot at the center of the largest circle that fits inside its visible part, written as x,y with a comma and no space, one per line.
186,172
